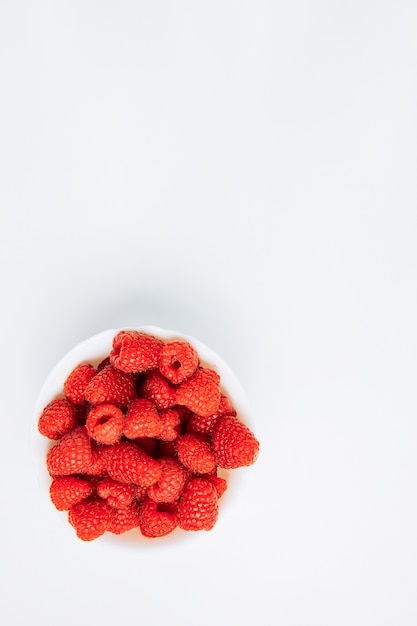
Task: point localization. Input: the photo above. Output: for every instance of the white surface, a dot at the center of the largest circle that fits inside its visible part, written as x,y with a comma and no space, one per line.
245,173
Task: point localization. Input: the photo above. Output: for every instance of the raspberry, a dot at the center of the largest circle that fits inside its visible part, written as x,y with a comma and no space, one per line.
157,519
159,390
90,518
170,424
125,519
225,406
57,418
234,444
178,361
127,463
77,381
118,495
98,467
110,386
205,425
140,494
105,423
135,351
219,483
171,482
201,425
142,419
201,392
70,455
197,507
195,453
65,491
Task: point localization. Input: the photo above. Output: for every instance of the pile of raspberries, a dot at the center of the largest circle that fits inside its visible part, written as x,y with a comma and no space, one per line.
140,439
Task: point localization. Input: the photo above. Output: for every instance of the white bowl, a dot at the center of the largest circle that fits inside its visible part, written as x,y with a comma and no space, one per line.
94,350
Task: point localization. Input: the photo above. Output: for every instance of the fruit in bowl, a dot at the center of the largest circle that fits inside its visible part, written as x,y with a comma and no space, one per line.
138,429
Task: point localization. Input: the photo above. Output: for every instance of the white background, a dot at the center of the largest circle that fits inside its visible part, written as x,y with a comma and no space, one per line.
244,172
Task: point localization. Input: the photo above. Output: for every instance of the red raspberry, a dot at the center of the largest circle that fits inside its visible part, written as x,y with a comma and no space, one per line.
135,351
219,483
201,425
171,482
128,463
142,419
225,406
201,392
141,493
205,425
77,381
157,519
234,444
195,453
70,455
159,390
98,467
57,418
118,495
65,491
197,507
105,423
178,361
90,518
170,424
125,519
110,386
